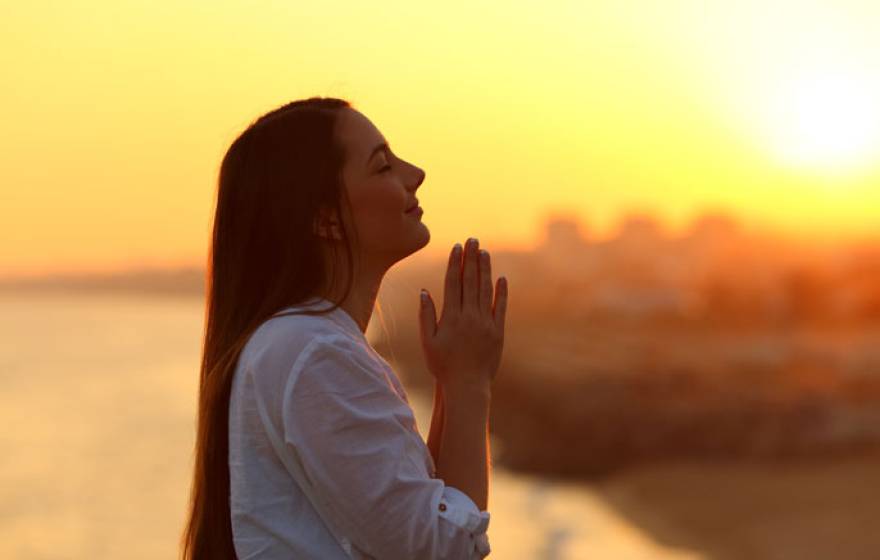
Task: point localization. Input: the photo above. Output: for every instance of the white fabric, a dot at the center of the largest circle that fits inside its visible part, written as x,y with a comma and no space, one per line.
313,387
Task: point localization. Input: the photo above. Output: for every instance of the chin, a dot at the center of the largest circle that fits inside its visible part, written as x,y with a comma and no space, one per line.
419,240
427,235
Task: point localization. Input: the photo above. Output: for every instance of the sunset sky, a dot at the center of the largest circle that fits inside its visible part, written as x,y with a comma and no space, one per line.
116,114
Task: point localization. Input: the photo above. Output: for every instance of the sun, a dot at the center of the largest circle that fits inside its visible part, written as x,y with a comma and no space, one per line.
826,120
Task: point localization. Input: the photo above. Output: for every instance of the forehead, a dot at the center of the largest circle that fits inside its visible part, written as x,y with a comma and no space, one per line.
358,134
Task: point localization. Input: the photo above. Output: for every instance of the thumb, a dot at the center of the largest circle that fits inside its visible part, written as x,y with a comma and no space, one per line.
427,316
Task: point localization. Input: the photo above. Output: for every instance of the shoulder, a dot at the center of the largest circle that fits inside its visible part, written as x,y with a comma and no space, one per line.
336,363
279,343
314,348
284,337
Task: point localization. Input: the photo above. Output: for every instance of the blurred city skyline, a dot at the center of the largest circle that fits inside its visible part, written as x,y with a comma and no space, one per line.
716,267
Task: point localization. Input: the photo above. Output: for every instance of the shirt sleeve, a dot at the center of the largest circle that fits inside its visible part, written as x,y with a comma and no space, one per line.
355,439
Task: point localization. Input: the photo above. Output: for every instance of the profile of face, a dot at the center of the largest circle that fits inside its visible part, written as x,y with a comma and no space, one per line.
380,187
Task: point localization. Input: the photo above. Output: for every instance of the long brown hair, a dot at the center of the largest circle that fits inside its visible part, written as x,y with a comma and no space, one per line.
264,256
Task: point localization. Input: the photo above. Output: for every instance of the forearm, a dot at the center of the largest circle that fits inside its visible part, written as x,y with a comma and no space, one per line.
435,435
464,447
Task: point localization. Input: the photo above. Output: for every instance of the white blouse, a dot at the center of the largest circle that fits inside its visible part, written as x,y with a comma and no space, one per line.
325,458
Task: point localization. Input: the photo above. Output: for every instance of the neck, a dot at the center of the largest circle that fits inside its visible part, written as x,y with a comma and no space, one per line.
361,299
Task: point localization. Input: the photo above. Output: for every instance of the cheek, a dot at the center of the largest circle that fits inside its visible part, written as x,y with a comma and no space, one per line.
378,216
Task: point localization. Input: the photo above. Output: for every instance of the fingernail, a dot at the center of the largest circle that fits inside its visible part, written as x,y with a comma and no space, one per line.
424,296
456,248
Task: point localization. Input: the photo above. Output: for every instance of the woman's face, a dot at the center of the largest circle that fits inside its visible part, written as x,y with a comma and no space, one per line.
380,187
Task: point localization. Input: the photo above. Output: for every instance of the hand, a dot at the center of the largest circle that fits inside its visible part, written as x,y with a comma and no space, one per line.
464,349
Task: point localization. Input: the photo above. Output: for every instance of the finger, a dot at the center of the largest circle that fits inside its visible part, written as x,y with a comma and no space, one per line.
452,285
499,310
470,297
427,316
485,282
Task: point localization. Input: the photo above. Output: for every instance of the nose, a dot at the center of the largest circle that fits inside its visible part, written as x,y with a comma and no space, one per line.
420,177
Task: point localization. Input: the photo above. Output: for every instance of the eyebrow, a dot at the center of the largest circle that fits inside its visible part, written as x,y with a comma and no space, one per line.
377,149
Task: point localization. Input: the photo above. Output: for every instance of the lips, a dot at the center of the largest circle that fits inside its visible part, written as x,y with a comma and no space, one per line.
413,207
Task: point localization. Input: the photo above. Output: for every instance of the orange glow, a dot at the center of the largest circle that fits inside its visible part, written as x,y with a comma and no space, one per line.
116,115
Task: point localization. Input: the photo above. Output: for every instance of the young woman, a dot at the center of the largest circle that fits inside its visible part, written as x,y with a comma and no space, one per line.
306,445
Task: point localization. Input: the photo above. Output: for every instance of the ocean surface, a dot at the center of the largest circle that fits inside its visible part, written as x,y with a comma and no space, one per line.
98,407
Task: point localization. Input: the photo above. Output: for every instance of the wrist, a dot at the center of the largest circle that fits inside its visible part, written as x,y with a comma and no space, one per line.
471,390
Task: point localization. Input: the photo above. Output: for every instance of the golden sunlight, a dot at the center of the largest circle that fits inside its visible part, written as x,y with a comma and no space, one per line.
826,120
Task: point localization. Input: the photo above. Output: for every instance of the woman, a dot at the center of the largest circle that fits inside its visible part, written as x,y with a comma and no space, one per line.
306,445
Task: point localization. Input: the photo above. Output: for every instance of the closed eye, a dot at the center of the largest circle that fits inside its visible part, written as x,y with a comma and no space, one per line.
384,169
